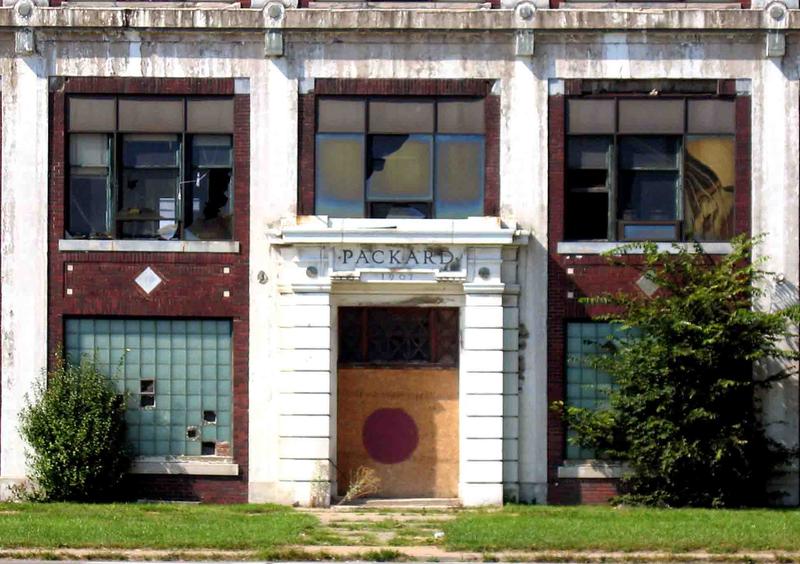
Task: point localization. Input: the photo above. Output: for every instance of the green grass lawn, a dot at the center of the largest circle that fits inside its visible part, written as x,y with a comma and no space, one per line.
625,529
167,526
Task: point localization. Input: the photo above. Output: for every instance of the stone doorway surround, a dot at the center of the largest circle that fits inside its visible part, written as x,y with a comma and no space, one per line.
470,264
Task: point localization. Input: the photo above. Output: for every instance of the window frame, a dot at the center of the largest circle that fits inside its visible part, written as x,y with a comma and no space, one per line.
613,187
398,88
431,139
116,167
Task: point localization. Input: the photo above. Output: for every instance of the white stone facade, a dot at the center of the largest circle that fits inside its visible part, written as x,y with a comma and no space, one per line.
292,357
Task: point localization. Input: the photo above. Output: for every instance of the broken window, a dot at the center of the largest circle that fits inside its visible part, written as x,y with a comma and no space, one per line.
650,169
400,157
150,168
175,373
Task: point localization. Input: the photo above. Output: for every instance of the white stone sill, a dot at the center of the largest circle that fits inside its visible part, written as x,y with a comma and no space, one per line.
317,230
206,466
600,247
591,469
133,246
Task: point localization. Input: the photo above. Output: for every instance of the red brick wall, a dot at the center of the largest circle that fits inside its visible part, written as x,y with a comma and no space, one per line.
572,491
396,87
193,283
591,275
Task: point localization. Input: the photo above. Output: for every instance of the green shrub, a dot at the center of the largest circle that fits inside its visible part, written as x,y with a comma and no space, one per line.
684,413
76,428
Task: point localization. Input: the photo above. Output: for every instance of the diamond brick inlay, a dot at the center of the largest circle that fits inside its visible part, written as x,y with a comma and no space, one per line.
148,280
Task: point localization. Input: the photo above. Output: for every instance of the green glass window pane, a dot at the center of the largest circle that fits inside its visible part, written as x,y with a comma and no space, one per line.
160,428
178,387
147,448
178,370
339,188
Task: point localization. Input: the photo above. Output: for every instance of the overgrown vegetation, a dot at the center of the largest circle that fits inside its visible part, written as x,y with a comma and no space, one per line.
625,529
173,526
684,411
75,426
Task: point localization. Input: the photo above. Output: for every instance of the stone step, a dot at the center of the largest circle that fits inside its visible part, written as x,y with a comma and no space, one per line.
410,503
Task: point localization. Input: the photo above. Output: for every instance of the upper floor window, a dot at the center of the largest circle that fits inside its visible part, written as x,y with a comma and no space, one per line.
150,168
385,157
650,169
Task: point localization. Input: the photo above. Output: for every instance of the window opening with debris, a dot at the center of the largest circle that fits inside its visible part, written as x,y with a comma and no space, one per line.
150,168
650,168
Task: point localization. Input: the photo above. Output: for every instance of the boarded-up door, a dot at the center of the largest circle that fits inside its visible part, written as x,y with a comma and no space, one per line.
398,399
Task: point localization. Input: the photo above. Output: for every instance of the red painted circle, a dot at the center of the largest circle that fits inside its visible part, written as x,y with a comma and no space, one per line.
390,435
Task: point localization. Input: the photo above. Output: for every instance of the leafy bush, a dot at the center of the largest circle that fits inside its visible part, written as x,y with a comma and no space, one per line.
684,412
76,428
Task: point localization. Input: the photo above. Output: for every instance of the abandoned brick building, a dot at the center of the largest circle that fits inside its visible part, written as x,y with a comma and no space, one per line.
310,237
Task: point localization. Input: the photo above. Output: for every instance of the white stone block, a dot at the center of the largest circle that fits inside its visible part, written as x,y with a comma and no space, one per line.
305,316
483,317
304,447
306,359
483,339
304,404
483,428
307,299
304,337
482,405
305,382
482,382
294,470
476,495
483,300
482,449
305,426
483,361
482,471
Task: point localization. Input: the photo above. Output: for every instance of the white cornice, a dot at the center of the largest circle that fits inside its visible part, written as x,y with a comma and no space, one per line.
318,230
